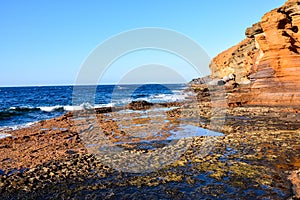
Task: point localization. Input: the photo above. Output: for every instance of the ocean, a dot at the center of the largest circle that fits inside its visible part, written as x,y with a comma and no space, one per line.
22,106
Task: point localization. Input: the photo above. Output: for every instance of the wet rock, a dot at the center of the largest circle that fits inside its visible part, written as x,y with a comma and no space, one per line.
139,105
259,145
103,110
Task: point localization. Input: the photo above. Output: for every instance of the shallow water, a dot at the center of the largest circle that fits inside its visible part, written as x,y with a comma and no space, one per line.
248,164
187,131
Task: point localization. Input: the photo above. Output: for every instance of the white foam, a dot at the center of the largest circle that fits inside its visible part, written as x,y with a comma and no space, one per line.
50,108
177,91
4,135
72,108
177,95
16,127
121,87
168,97
22,108
154,110
86,106
104,105
83,106
29,124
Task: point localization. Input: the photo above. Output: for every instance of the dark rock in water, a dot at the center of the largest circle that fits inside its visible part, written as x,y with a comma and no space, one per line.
103,110
139,105
107,109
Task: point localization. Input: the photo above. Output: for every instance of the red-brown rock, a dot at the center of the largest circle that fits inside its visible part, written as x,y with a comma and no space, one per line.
268,59
295,180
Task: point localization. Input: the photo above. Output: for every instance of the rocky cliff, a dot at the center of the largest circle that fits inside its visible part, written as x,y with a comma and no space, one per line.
267,62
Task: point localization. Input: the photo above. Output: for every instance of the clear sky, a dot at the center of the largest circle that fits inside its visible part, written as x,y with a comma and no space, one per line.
45,42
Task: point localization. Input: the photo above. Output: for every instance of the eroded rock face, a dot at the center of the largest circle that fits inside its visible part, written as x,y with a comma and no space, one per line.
237,60
254,30
268,59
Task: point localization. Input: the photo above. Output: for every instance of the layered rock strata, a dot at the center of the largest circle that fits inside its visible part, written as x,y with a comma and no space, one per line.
267,61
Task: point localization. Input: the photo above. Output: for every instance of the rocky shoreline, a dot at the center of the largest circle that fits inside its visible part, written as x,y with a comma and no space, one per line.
254,159
250,102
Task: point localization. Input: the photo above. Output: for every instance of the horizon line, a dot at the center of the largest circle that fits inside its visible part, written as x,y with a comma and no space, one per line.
52,85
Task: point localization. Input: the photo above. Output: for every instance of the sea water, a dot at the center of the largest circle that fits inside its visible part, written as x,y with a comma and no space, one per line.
21,106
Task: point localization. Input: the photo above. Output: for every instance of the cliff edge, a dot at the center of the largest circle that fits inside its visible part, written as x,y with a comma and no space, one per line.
267,61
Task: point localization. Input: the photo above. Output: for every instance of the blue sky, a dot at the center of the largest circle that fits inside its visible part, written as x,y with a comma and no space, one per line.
45,42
